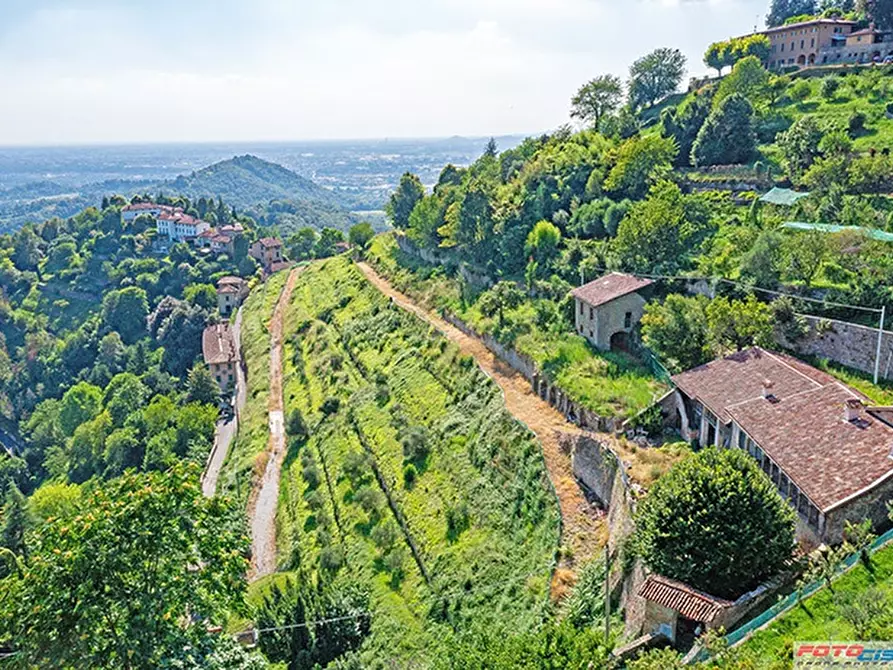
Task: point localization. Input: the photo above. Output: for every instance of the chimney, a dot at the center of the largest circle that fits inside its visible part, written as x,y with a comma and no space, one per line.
852,410
767,389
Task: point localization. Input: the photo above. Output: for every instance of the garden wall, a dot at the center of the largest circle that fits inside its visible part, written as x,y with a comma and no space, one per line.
849,344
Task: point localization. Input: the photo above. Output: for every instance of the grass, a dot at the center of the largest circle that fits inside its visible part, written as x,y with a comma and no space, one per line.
611,385
819,617
247,451
480,514
881,393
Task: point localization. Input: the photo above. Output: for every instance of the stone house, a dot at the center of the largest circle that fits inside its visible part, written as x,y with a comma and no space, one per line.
267,251
609,308
679,612
819,441
231,291
219,352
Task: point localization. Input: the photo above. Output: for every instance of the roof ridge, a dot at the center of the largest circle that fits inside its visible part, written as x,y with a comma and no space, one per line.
790,367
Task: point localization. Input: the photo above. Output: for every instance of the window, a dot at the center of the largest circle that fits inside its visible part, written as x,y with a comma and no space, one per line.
581,309
812,42
627,320
782,48
802,44
742,439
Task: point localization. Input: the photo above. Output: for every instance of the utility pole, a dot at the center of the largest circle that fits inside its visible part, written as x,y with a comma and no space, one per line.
582,280
880,340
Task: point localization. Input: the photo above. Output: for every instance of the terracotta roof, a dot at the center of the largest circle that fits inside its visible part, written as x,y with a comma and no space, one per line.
740,377
803,24
221,239
610,287
807,435
217,344
270,242
208,233
681,598
233,281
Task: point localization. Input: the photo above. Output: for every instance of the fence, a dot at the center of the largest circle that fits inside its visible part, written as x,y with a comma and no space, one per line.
781,607
656,367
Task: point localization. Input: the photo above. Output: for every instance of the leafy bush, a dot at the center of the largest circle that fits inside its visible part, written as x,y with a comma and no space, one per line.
725,548
856,123
410,473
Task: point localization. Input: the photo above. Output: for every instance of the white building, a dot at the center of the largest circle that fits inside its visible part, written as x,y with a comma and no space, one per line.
180,227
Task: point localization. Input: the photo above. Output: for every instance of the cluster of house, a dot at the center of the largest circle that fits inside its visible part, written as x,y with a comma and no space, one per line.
823,444
827,42
218,345
178,226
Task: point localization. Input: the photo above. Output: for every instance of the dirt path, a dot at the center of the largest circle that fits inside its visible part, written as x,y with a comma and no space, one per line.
583,531
266,495
226,430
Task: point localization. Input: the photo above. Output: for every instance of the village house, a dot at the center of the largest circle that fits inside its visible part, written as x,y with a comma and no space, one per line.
131,212
231,291
180,227
819,441
267,251
608,309
219,240
219,352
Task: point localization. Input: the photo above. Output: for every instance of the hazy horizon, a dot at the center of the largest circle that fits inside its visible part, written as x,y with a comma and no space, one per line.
121,72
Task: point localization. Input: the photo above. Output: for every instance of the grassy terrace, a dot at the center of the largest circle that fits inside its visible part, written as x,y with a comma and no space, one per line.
609,384
246,453
468,536
824,615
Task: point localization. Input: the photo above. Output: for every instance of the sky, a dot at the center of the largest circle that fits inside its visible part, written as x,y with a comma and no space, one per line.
140,71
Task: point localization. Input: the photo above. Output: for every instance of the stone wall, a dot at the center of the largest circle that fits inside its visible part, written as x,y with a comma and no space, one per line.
849,344
872,505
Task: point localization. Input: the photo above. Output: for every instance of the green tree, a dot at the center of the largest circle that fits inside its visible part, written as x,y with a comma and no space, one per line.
782,10
301,244
328,239
111,350
640,163
404,200
683,123
748,79
504,295
762,263
131,581
715,56
425,220
727,136
542,245
81,403
676,330
123,451
596,99
125,394
15,523
724,549
804,253
734,325
202,295
125,311
86,450
181,336
62,256
361,234
800,145
662,232
201,386
655,76
26,249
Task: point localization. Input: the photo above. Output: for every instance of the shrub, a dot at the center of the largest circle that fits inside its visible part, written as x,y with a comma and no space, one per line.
830,86
409,475
457,521
296,426
856,123
725,548
415,444
800,91
330,406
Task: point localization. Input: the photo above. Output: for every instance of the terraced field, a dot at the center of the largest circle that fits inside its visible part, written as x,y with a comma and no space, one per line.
412,479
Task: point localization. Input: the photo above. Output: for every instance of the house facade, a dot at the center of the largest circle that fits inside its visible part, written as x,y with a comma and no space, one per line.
826,449
180,227
267,251
219,353
231,291
131,212
608,309
801,43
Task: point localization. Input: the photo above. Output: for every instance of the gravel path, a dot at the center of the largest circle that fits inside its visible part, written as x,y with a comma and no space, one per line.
266,496
583,530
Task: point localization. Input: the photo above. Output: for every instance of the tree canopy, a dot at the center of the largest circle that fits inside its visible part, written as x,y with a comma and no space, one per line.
655,76
596,99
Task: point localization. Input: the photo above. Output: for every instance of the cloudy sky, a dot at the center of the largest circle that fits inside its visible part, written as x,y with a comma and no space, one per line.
85,71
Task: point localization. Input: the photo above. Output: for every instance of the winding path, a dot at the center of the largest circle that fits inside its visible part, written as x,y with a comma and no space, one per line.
583,531
266,494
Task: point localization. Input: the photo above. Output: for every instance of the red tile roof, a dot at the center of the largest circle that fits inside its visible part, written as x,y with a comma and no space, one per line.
740,377
217,344
807,435
681,598
803,24
610,287
270,242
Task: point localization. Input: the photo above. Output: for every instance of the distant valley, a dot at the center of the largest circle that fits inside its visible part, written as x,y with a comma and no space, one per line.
312,183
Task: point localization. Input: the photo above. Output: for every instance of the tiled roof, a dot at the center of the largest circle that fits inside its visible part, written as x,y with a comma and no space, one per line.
217,344
681,598
740,377
803,24
807,435
270,242
610,287
234,281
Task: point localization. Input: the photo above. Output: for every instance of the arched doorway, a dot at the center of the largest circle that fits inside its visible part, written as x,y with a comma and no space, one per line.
801,60
621,342
812,59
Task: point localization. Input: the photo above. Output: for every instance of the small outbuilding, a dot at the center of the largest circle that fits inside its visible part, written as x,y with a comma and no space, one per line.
231,291
679,612
608,309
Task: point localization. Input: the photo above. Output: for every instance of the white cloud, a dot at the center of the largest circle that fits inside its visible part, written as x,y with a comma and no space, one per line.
344,68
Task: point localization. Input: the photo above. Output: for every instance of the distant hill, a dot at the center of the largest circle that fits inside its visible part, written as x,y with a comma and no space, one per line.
245,181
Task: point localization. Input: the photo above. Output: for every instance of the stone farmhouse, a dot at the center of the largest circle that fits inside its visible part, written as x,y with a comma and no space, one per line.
268,252
829,452
219,352
170,222
231,291
608,309
220,240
